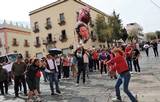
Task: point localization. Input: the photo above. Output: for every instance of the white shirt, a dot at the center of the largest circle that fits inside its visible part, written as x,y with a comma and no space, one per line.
85,58
58,61
51,64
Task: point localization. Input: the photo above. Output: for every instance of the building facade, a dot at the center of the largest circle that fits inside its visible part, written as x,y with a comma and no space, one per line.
15,39
135,28
53,25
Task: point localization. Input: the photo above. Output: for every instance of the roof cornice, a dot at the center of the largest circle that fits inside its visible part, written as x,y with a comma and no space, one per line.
63,1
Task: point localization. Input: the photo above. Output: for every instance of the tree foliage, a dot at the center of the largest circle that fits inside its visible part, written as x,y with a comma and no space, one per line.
111,30
158,34
124,34
115,23
151,36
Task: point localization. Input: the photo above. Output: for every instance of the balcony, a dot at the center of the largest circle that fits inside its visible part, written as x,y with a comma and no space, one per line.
15,44
48,26
37,44
26,44
61,22
63,38
36,29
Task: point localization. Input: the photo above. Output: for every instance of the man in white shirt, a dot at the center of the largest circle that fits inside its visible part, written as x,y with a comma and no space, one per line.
53,74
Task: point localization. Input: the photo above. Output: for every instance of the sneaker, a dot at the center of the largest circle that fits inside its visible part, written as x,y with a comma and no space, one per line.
116,100
38,99
77,84
52,93
59,92
30,100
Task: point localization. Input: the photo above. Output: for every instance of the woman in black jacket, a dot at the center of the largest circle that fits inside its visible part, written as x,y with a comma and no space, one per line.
31,80
80,63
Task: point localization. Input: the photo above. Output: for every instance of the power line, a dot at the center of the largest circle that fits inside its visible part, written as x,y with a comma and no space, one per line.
155,3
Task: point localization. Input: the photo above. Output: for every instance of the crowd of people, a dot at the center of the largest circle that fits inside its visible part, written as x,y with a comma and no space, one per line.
116,62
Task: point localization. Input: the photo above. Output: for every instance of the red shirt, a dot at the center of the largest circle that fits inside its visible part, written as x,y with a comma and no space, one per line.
120,64
95,55
128,51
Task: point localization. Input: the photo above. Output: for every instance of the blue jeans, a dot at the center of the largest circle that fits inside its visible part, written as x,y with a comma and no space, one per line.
53,77
129,62
124,78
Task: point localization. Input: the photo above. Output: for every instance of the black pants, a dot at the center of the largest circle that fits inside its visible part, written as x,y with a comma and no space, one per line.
2,85
17,81
59,71
80,70
155,51
103,67
96,64
136,65
147,51
65,71
91,65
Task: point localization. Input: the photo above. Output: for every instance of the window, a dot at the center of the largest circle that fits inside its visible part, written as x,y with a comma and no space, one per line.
63,36
26,43
64,33
36,24
27,54
48,20
48,23
37,40
49,37
15,42
62,17
36,27
0,42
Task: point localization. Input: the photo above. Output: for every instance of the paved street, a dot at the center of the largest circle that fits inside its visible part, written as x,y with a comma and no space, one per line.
146,85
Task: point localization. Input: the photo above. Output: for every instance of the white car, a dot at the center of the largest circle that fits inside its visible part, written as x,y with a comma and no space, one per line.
8,60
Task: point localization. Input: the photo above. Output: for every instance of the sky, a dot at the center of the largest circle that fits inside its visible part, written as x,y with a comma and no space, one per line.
143,12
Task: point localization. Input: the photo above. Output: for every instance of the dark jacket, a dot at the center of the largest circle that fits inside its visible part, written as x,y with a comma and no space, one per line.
80,59
18,69
3,75
31,71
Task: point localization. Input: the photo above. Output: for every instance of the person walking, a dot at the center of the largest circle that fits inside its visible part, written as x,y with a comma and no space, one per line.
135,57
52,74
80,63
4,76
146,47
103,58
155,48
121,68
31,80
66,65
18,72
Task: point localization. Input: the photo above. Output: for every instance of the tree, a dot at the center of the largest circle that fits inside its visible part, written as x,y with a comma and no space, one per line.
158,34
115,23
151,36
100,28
124,34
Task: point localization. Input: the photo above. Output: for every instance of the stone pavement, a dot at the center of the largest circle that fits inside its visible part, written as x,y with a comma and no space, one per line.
146,85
